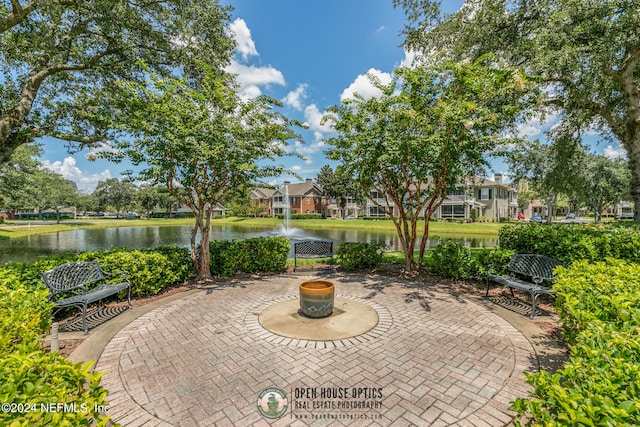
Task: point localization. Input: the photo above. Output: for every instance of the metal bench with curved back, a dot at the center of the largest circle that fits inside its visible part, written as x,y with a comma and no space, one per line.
78,284
312,249
537,268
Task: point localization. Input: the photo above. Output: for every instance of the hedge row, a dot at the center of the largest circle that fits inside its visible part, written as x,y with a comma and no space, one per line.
254,255
573,242
35,381
599,306
151,270
356,255
454,260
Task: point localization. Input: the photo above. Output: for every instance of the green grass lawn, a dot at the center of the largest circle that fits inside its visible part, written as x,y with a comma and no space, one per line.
440,228
22,228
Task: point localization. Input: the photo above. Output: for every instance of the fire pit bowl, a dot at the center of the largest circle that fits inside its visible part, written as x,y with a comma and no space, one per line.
316,298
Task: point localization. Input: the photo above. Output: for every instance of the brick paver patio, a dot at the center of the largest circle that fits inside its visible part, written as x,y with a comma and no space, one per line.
434,359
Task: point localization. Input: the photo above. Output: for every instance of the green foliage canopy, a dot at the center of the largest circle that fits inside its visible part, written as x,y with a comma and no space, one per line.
59,60
586,53
201,144
428,130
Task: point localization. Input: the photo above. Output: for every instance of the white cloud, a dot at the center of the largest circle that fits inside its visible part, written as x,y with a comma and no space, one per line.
409,59
363,86
536,125
313,118
244,43
69,170
103,147
251,78
296,168
615,152
295,98
308,149
380,29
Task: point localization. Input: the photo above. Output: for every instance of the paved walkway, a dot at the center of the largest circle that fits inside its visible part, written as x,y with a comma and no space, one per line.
434,359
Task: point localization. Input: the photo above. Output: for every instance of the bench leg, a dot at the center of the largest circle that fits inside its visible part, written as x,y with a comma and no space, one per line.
486,294
129,296
295,263
84,319
534,296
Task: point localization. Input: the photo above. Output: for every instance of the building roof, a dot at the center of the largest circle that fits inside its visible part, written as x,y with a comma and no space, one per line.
301,189
262,193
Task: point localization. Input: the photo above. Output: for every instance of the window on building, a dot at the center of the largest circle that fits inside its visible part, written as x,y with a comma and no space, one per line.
375,211
294,200
452,211
277,199
308,200
484,194
376,195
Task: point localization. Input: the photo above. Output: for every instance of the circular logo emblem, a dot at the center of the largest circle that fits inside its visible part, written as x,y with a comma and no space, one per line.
272,403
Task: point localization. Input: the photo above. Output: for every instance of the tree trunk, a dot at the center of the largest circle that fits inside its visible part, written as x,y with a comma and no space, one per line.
633,151
551,202
205,260
194,246
200,252
429,211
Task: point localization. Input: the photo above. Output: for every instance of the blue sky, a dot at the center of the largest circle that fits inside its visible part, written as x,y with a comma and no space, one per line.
309,54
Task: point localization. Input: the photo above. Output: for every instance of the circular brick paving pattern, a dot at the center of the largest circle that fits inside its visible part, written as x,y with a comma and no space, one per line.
374,322
438,359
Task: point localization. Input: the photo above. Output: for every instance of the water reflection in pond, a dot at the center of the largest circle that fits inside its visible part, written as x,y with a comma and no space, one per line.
31,248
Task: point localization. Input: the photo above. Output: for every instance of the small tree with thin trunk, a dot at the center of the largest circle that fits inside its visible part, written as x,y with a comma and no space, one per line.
428,130
201,144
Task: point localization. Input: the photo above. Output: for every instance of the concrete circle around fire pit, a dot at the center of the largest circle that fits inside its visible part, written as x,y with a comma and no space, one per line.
349,319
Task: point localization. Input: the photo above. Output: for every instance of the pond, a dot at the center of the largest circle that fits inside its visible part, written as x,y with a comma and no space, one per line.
32,248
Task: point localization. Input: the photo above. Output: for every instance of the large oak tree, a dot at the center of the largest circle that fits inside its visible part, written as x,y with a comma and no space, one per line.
586,53
59,59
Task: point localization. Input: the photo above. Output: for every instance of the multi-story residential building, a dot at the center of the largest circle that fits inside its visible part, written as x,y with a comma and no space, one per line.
262,197
305,197
373,203
623,210
493,199
351,208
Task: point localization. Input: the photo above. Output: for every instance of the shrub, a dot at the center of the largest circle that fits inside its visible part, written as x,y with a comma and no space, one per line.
150,272
258,254
599,305
25,314
491,261
573,242
32,377
357,255
452,259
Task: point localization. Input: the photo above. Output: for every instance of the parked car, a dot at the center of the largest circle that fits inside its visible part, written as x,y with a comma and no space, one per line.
536,218
520,216
570,215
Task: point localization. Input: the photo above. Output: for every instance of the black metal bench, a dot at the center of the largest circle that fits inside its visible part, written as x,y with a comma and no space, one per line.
311,249
78,284
537,268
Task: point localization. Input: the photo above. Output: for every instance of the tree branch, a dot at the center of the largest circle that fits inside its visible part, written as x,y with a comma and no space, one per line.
17,15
